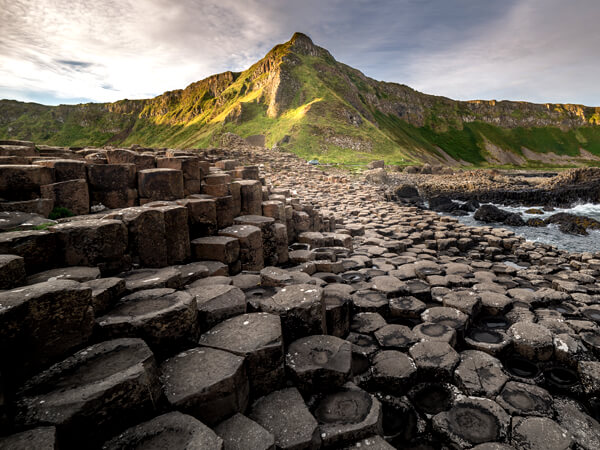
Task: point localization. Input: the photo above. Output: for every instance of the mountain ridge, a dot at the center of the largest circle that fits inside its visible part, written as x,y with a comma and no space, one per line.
303,100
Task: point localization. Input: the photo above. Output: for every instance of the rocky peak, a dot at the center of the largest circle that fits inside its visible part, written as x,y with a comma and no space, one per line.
304,45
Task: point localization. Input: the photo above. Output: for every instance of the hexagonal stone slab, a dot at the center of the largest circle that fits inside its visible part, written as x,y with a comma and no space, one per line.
93,393
12,271
105,293
539,433
166,319
301,308
521,399
258,338
173,430
143,279
398,337
472,421
217,302
439,332
285,415
42,323
392,371
479,374
240,433
347,415
207,383
372,443
319,362
435,360
532,341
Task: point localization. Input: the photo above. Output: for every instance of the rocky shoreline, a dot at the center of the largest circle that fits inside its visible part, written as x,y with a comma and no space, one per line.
371,325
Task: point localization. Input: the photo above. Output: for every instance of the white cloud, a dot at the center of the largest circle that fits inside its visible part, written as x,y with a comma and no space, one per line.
67,50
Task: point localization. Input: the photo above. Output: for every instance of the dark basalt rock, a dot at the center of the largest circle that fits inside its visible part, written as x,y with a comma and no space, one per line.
347,415
96,392
539,433
319,362
573,224
171,430
521,399
472,421
432,398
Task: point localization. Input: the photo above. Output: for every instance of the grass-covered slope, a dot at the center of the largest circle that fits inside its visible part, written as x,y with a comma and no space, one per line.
302,100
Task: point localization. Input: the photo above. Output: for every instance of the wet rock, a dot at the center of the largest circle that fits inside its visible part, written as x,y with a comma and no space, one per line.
284,414
347,415
42,323
42,438
472,421
240,433
94,393
392,371
539,433
207,383
494,342
319,362
258,338
216,303
301,308
166,319
479,374
532,341
172,430
434,360
521,399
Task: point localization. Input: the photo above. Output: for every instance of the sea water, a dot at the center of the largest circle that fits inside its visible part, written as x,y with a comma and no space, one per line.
550,234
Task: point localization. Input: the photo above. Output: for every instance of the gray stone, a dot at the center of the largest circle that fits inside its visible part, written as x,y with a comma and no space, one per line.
216,303
166,319
42,438
539,433
472,421
173,430
319,362
207,383
12,271
434,360
258,338
241,433
42,323
285,415
301,308
94,393
479,374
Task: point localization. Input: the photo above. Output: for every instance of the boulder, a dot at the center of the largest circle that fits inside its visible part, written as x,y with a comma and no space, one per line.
23,182
72,195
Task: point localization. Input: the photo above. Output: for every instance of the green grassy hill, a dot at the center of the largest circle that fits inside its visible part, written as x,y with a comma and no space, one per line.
302,100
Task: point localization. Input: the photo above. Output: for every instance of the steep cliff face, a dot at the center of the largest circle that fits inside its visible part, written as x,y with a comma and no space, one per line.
301,99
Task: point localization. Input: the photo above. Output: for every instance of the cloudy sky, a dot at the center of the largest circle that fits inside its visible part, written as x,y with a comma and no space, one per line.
72,51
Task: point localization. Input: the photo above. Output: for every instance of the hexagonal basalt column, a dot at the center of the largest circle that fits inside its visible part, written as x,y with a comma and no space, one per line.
207,383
